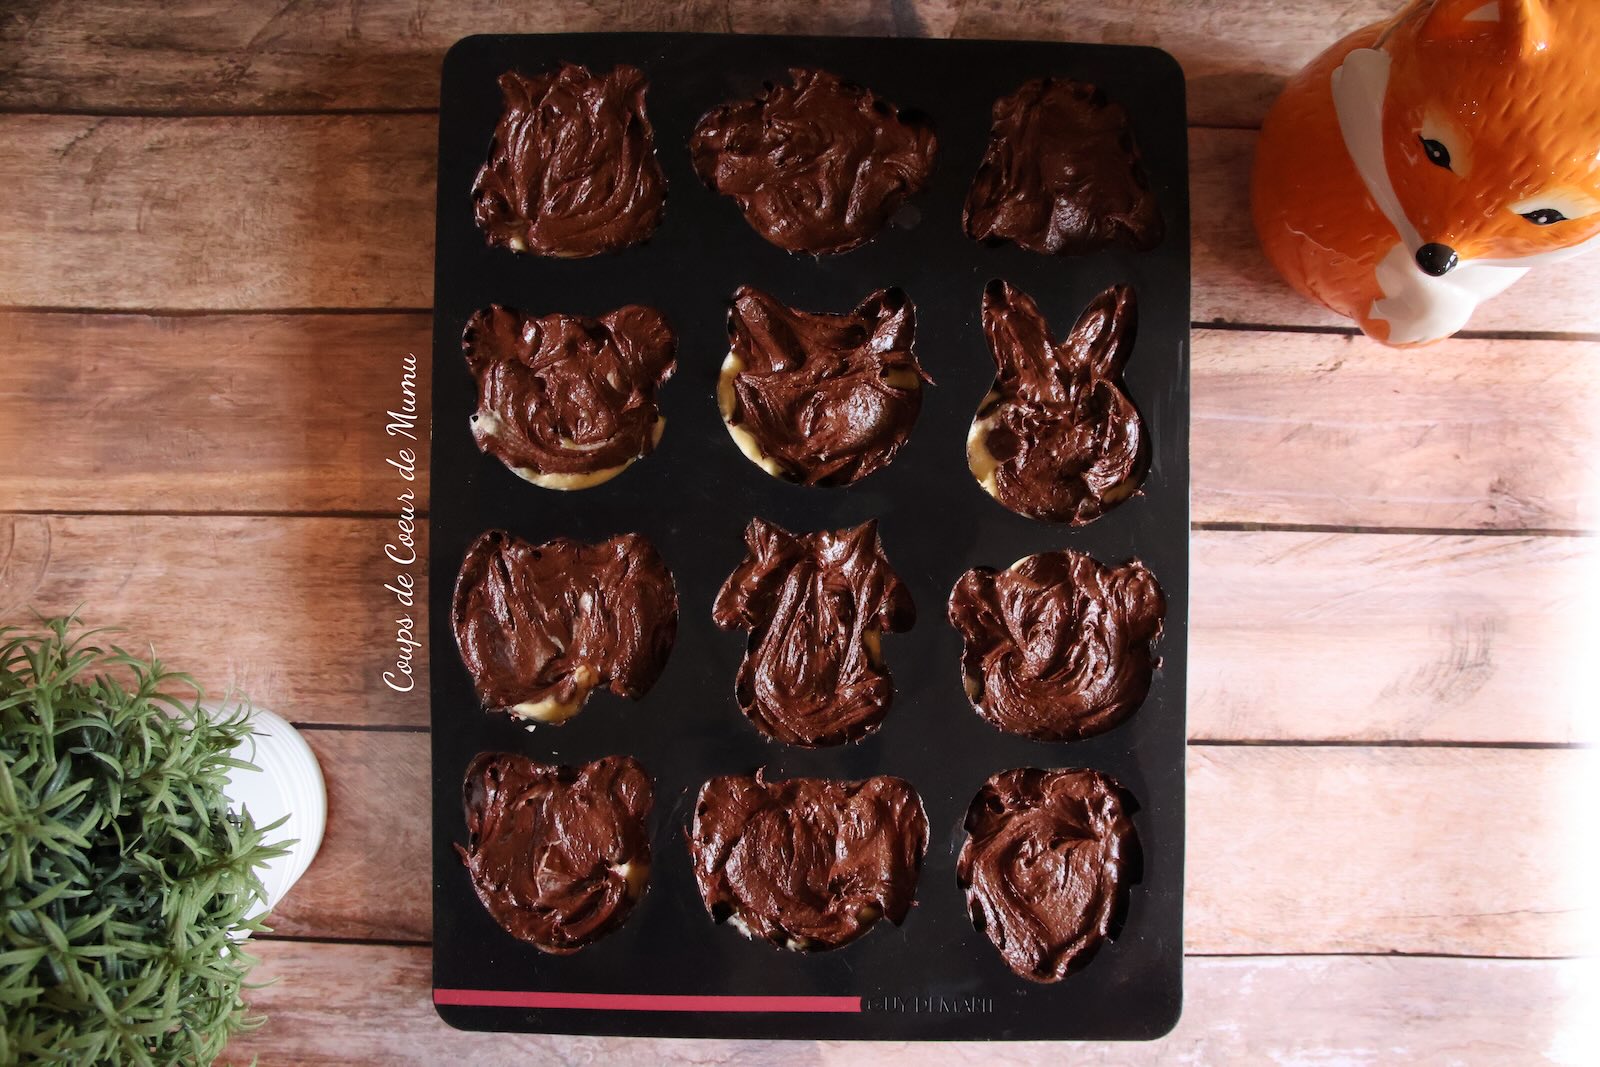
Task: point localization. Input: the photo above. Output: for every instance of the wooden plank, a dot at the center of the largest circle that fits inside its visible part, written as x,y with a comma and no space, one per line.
1291,850
1452,635
292,613
1236,56
205,413
239,213
1460,851
284,413
1392,638
239,56
372,877
217,213
1234,283
357,1004
1334,430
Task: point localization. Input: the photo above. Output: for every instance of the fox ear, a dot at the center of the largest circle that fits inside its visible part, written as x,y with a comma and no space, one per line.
1521,26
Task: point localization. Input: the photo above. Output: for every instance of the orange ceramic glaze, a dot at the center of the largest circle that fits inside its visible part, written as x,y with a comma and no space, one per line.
1422,165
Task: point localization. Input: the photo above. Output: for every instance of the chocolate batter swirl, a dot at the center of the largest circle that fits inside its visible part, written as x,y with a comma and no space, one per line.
817,167
558,855
1061,174
810,863
1057,437
572,167
539,626
815,605
1058,646
568,402
1046,865
820,399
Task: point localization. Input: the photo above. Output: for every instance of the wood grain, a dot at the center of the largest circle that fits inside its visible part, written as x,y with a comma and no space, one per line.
1295,636
230,413
217,213
1392,638
285,413
1326,429
240,213
366,1004
1349,638
373,873
1290,850
239,56
1432,850
291,612
1234,283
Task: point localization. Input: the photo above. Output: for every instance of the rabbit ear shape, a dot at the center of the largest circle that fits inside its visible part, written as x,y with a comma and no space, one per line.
1103,336
1018,336
1521,27
893,318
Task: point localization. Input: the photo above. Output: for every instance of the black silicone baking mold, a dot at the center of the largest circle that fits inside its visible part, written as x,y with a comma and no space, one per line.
669,971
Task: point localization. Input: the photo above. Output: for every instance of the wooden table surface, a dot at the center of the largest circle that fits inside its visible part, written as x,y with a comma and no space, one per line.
217,231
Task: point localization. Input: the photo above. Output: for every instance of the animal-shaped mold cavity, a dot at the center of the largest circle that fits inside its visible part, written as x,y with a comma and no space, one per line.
818,166
820,399
568,402
1057,646
1058,437
558,855
811,863
1062,174
572,167
816,606
541,626
1046,866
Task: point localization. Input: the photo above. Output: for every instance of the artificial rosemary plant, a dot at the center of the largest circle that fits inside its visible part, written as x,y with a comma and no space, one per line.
124,878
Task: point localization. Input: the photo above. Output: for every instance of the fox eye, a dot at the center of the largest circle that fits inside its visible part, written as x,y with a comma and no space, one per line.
1438,154
1545,216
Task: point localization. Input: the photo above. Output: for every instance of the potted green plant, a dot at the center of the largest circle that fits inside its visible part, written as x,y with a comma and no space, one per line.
128,880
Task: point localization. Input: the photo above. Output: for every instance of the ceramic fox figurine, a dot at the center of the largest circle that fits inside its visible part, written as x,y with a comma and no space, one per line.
1422,165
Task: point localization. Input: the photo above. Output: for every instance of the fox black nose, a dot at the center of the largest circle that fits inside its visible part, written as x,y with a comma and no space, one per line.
1437,260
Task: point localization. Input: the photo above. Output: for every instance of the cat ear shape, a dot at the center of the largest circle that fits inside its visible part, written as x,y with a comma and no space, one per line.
897,323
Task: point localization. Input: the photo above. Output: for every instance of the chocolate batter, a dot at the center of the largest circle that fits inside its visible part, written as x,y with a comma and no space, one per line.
1058,646
568,402
815,167
572,167
820,399
810,863
539,626
1057,437
1046,865
558,855
1062,174
815,605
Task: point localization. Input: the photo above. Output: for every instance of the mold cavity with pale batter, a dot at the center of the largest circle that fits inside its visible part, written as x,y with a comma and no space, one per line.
807,864
564,401
820,399
1057,437
539,627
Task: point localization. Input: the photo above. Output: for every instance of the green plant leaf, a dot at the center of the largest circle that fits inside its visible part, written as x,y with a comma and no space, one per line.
124,881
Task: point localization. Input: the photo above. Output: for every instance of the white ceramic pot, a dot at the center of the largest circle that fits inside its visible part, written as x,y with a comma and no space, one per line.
288,782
